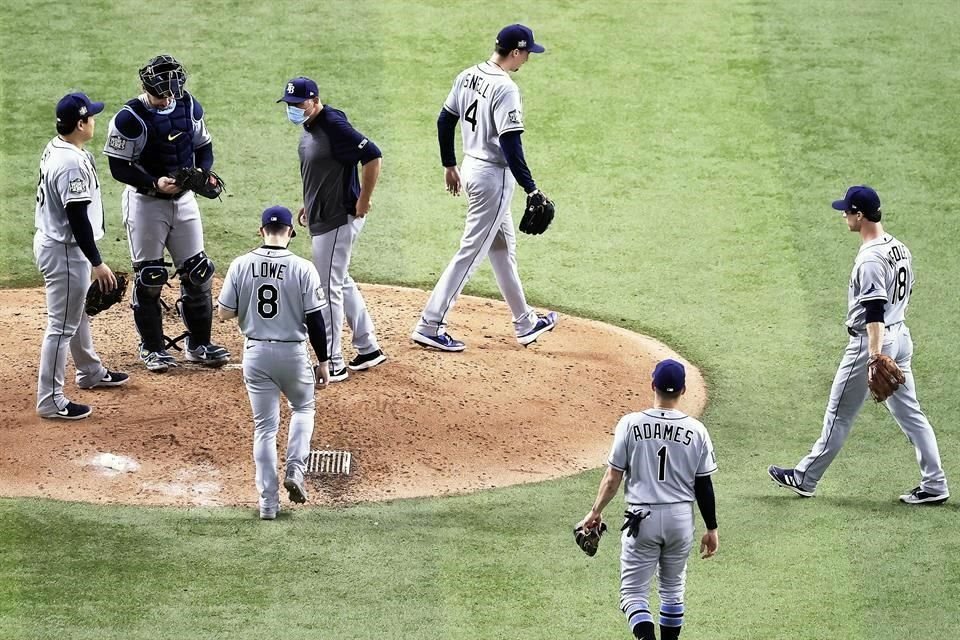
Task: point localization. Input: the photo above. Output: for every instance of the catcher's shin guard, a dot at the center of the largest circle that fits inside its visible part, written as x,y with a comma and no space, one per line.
196,298
150,278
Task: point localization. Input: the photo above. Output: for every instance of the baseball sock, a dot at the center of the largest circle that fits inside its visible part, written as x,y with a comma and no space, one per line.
671,619
641,623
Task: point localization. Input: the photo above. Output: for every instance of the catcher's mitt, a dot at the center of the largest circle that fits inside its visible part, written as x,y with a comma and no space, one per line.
883,376
98,301
589,539
538,213
198,180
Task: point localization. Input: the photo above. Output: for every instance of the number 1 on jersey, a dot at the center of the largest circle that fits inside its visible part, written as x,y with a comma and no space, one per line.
470,115
662,454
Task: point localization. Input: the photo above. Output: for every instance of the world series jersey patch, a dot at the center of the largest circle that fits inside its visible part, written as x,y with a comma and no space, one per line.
117,142
515,116
77,185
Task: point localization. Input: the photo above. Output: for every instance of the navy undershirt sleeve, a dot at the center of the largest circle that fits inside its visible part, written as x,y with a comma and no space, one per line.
83,232
446,132
513,152
874,310
124,172
204,156
318,334
703,490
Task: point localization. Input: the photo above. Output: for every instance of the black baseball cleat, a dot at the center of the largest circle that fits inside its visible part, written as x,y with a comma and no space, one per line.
338,375
919,496
72,411
786,479
295,489
209,355
367,360
110,379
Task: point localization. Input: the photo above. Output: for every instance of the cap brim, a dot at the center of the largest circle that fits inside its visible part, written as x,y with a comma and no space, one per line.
840,205
95,108
293,99
536,48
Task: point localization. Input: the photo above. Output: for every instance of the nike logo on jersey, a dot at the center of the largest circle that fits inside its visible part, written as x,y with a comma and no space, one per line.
173,136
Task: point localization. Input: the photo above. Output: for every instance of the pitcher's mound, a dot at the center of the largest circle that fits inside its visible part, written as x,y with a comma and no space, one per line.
423,423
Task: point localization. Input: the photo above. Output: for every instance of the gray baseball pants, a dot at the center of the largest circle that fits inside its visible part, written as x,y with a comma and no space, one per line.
847,396
269,369
66,278
331,255
488,231
662,546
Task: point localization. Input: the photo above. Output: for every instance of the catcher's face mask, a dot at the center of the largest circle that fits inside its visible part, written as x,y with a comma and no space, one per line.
164,77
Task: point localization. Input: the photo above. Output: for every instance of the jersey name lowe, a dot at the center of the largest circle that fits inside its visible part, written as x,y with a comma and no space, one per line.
272,290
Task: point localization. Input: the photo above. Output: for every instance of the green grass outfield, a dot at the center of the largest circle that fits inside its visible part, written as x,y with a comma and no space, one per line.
693,148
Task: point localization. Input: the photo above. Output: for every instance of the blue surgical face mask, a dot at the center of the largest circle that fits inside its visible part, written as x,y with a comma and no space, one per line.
296,115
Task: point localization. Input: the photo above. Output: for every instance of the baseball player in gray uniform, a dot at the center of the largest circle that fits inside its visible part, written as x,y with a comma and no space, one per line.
69,221
488,101
880,288
336,200
667,459
152,136
278,301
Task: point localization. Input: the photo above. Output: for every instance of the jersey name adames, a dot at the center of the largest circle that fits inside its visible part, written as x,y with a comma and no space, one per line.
661,452
488,104
67,174
883,271
272,290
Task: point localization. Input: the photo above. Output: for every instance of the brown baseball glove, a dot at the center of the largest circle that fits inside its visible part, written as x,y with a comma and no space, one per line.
98,301
199,181
589,539
884,377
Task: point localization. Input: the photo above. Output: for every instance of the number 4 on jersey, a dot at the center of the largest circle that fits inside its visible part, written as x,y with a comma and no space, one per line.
470,115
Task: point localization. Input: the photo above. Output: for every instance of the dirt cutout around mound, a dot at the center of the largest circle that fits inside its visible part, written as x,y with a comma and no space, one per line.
423,423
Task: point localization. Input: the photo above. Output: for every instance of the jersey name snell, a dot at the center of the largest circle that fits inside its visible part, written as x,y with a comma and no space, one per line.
477,83
267,270
667,431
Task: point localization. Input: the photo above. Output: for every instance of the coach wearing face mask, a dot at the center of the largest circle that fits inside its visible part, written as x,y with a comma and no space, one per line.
336,200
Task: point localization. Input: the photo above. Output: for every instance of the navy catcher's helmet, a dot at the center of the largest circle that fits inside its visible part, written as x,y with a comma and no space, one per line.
164,77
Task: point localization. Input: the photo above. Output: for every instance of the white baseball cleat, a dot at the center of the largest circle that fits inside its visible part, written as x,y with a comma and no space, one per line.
919,496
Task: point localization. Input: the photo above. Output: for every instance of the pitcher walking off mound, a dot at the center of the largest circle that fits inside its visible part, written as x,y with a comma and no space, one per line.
278,301
667,459
488,101
880,288
69,221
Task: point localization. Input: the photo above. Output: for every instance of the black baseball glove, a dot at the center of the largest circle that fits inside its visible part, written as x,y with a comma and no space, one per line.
538,213
631,522
198,181
589,539
98,301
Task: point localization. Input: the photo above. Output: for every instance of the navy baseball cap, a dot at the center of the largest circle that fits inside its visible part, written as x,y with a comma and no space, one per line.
277,215
73,107
518,36
298,90
859,199
669,376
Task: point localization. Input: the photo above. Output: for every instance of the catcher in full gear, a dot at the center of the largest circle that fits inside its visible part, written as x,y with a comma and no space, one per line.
158,145
877,358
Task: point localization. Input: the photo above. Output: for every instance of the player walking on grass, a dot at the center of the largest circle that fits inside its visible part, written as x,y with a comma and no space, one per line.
879,294
278,301
69,221
667,459
336,201
488,101
150,138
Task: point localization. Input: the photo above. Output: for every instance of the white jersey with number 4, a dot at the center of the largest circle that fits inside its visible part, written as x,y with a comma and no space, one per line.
661,452
883,270
272,290
67,174
488,103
